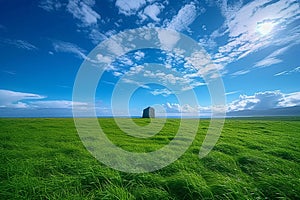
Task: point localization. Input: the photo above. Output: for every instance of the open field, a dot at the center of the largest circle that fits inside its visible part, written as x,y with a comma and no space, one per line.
254,159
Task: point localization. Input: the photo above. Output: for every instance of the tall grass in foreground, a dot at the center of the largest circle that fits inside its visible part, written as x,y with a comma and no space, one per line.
253,159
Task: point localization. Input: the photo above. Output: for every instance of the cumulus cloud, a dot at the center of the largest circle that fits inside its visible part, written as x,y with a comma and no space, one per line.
152,11
139,55
259,101
164,92
185,17
177,108
168,39
129,7
264,101
292,99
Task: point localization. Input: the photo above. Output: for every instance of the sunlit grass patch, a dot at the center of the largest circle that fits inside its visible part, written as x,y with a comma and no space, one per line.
253,159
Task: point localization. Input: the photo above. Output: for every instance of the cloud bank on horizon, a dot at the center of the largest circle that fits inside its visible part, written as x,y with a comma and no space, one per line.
254,46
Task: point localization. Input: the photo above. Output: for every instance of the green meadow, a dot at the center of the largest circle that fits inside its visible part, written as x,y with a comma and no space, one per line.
255,158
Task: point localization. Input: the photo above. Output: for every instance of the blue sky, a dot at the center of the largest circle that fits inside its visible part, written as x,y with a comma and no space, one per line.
254,45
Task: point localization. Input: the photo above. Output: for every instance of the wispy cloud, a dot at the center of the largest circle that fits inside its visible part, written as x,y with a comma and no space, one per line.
51,5
83,11
241,72
241,27
66,47
130,81
86,18
2,27
9,72
14,99
272,58
231,93
21,44
295,70
267,62
57,104
201,62
96,36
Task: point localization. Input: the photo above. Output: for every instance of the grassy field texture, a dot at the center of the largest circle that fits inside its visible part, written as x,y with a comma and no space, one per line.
253,159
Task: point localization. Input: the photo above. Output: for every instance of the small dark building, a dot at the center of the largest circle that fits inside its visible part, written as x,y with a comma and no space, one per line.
149,112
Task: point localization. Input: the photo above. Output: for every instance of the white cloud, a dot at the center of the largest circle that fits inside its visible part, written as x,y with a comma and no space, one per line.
130,81
168,39
292,99
177,108
96,36
50,5
21,44
135,70
241,25
115,46
104,59
267,62
117,74
167,78
265,100
14,99
201,62
129,7
57,104
66,47
228,9
241,72
230,93
164,92
272,58
125,61
152,11
163,75
185,17
139,55
193,84
82,10
295,70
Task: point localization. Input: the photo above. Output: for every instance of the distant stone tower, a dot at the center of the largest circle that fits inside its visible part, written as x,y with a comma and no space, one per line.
149,112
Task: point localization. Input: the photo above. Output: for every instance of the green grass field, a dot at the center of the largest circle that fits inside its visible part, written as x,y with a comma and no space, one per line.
253,159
